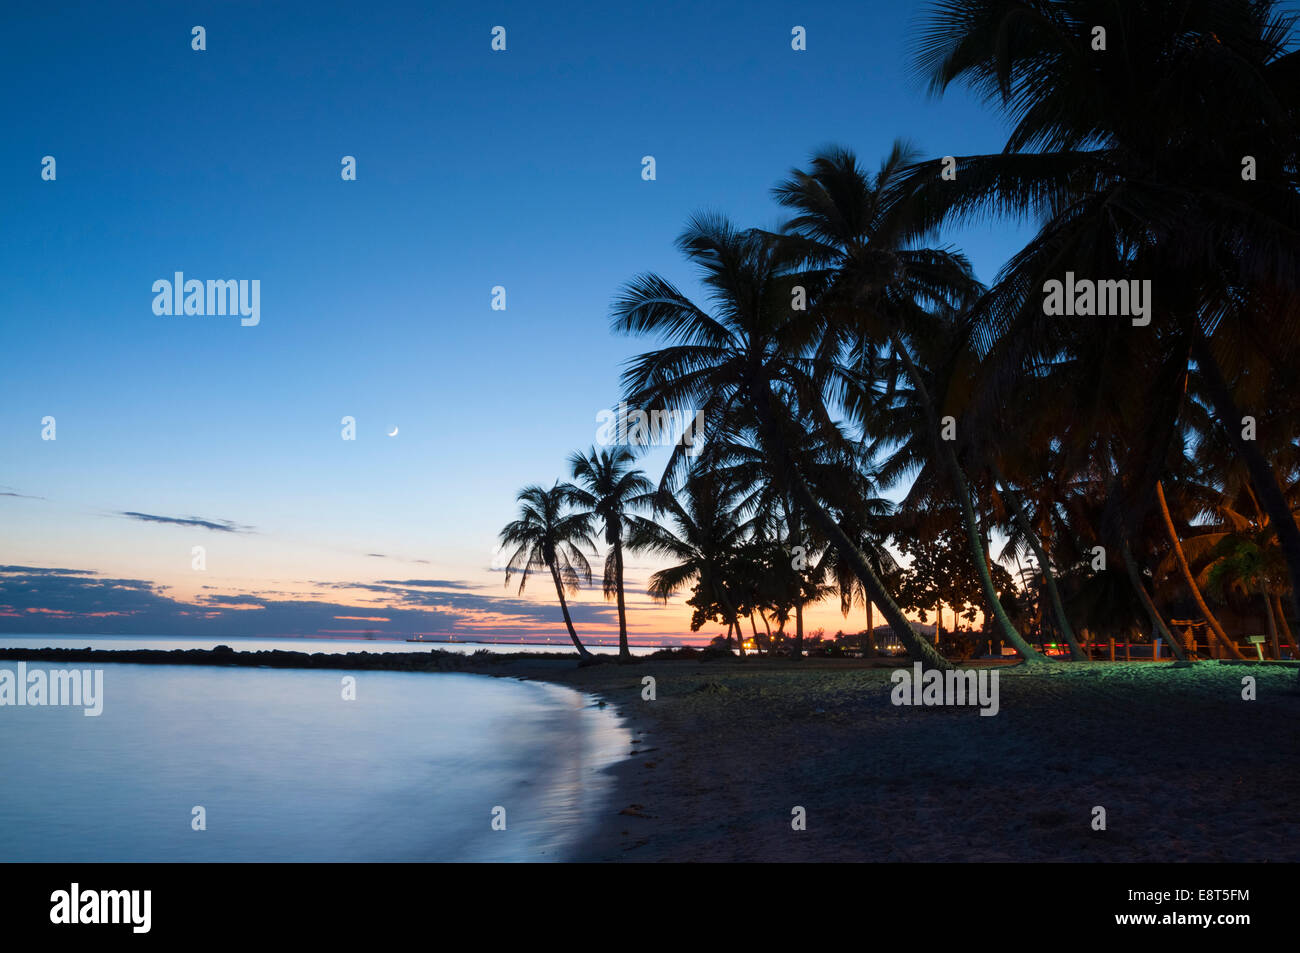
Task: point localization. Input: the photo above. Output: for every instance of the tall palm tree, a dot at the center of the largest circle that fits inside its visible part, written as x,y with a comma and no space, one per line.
1133,158
1234,539
545,535
610,486
881,295
752,363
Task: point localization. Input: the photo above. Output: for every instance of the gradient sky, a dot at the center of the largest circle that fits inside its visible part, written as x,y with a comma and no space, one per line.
474,169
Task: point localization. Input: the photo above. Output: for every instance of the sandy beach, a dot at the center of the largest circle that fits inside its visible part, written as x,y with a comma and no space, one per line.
1185,768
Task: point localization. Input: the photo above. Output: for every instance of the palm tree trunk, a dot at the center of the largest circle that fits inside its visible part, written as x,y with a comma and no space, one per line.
735,616
624,652
564,607
869,648
1149,604
1262,474
1189,578
995,643
1004,623
917,648
795,534
1272,623
1038,622
1058,607
962,489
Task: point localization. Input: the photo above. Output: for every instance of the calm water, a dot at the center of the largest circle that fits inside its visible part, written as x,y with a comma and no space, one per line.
288,771
331,646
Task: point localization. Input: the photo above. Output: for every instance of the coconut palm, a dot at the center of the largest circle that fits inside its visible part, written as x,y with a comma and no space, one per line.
610,486
547,535
1234,540
887,301
834,474
705,532
1249,567
1031,469
1152,140
1180,557
754,362
1073,488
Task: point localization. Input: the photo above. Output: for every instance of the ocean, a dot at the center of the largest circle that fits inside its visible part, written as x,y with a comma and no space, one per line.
278,765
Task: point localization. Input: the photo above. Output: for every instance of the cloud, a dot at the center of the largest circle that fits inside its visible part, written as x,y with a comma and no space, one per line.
10,491
38,571
428,583
220,526
49,600
230,600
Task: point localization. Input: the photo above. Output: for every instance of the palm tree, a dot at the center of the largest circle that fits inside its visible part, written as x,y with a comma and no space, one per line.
1235,542
610,486
753,363
1250,567
1133,159
833,475
883,296
546,535
705,533
867,528
1189,578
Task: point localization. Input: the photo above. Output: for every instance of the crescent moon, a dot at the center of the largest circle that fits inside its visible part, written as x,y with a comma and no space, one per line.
394,433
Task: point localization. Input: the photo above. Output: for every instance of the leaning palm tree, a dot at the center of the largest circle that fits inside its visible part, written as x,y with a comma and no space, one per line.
752,363
1152,140
545,535
1193,587
892,304
609,488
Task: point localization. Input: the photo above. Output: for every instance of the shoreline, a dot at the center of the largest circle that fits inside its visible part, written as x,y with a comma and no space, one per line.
1185,768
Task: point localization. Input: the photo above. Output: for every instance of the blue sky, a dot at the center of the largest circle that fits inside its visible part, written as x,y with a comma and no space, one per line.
474,169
